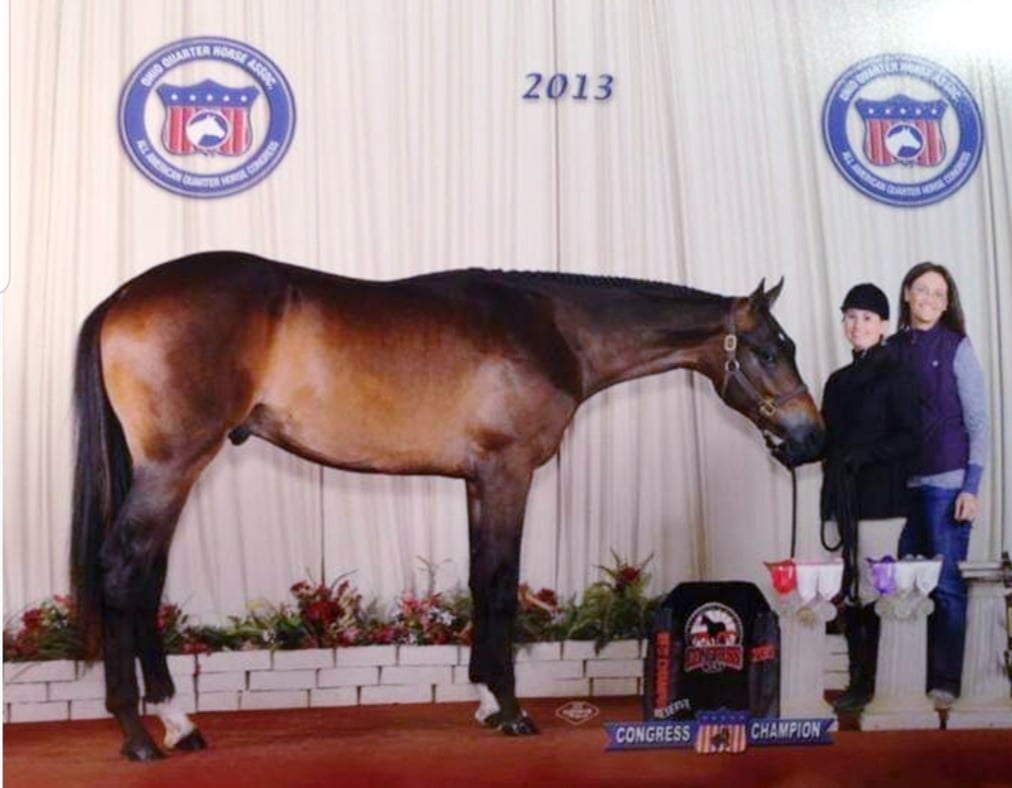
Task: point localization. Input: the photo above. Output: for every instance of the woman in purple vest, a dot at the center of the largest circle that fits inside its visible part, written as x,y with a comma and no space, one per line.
946,475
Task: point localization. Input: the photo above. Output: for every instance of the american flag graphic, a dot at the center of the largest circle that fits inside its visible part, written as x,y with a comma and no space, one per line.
207,118
902,130
721,731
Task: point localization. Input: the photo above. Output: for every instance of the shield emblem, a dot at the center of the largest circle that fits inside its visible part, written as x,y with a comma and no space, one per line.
721,731
902,130
207,118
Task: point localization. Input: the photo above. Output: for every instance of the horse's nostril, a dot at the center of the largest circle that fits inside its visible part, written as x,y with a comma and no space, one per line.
813,443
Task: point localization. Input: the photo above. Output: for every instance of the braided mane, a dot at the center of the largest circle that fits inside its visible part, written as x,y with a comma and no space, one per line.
643,286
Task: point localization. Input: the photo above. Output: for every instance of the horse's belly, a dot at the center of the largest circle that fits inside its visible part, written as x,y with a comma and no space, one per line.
433,403
368,438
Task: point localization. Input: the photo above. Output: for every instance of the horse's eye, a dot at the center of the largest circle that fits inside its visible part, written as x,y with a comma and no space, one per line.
767,355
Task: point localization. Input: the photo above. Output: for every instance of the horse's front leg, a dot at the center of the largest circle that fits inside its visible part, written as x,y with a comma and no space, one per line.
496,506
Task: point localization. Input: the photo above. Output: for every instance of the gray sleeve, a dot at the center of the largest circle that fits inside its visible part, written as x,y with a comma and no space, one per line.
972,391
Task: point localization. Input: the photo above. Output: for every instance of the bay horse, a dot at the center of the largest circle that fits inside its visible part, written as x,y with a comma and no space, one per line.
471,374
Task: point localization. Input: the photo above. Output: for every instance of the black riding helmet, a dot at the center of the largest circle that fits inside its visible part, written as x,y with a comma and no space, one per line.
867,296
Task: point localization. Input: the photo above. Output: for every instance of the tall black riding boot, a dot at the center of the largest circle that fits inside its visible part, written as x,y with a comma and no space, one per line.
871,627
861,686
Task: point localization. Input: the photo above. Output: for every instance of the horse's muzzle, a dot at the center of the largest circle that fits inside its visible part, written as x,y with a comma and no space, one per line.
797,450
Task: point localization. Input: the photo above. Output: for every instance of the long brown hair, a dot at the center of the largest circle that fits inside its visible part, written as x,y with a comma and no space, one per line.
952,317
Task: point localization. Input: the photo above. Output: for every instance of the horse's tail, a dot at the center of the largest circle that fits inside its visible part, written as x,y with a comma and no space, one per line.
102,476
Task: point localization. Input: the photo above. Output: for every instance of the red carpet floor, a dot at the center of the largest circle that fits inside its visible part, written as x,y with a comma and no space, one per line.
441,745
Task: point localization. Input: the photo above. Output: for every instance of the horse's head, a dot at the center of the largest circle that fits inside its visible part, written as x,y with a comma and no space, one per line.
758,378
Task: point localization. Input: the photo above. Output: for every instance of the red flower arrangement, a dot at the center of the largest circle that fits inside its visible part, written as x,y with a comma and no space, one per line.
333,615
46,632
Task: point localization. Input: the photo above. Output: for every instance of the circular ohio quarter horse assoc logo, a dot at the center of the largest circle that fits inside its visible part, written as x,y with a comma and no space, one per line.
902,130
206,117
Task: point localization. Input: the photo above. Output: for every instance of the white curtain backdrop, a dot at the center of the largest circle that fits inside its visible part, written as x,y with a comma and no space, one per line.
414,152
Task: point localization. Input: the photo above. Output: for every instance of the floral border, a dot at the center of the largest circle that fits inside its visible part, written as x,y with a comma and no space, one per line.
334,615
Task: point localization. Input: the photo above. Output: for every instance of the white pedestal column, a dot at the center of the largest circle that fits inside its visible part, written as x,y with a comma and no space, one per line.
802,646
802,593
985,701
900,702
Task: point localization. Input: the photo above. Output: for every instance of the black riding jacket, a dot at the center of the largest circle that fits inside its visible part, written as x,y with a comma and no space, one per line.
871,408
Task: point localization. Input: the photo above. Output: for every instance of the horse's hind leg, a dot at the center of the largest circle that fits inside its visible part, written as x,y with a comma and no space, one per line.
134,558
121,695
159,688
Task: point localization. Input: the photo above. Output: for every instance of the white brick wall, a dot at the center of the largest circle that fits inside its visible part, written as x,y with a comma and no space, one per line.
222,661
25,693
229,681
348,677
621,649
218,701
40,712
538,687
339,696
182,665
220,682
88,710
551,671
53,670
282,680
538,652
604,687
584,649
366,655
835,675
416,674
456,693
274,699
614,668
300,660
404,693
77,690
427,655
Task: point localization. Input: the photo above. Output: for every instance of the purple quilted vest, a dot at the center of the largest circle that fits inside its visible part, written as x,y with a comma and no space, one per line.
930,354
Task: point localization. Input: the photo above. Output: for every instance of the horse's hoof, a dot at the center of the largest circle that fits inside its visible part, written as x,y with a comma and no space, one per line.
521,726
191,741
493,720
141,751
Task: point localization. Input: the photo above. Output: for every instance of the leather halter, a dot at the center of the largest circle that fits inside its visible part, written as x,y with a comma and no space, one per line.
766,407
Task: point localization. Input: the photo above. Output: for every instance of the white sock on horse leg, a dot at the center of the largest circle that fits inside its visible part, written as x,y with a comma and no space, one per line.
489,705
177,725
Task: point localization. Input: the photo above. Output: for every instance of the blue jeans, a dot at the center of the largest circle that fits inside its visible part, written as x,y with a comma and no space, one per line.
930,531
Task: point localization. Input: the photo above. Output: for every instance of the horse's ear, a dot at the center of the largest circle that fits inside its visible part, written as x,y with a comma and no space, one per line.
772,295
761,297
758,295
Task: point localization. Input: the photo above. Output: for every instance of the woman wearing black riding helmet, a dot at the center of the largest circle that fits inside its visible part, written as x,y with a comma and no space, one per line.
871,410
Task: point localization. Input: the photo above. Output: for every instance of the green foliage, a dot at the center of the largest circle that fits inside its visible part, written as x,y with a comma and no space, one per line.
45,632
334,615
617,607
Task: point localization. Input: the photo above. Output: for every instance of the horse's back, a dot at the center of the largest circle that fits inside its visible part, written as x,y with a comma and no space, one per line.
415,375
412,375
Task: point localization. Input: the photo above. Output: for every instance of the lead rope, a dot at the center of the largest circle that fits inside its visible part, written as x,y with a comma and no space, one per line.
794,513
794,500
